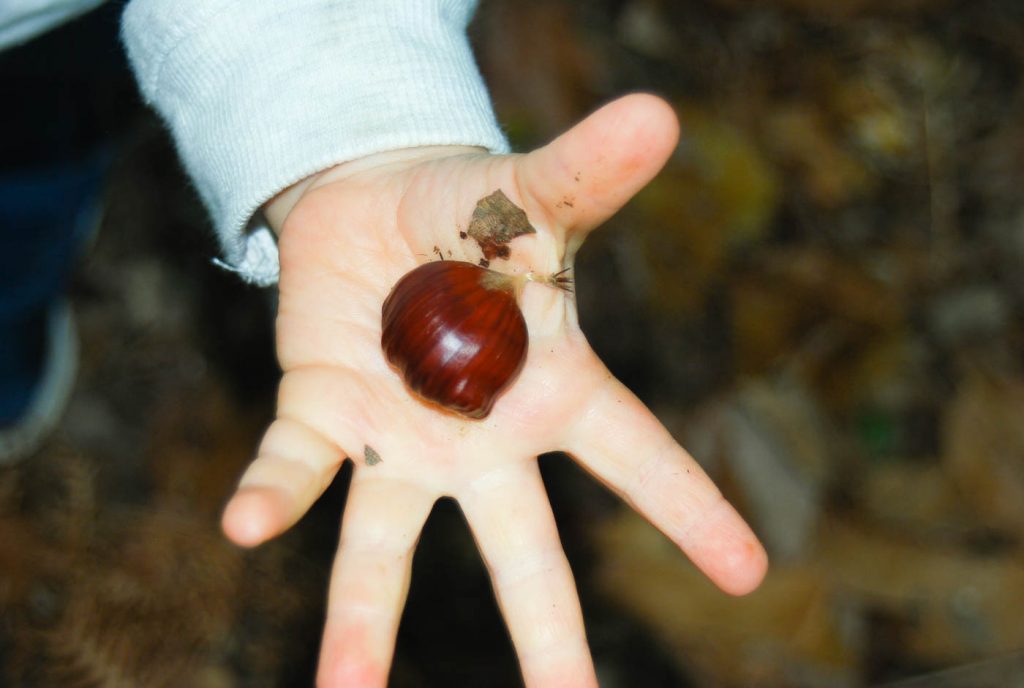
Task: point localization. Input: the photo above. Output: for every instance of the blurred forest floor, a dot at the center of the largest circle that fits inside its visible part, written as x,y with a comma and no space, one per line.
821,296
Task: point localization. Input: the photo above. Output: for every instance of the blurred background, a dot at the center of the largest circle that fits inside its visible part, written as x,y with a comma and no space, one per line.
821,296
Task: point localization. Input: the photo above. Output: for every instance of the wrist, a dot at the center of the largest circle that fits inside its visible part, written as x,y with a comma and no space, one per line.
277,209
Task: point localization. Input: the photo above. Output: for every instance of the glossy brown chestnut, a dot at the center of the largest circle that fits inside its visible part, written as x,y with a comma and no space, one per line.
456,335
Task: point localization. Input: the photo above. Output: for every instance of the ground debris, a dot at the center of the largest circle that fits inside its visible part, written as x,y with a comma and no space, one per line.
497,221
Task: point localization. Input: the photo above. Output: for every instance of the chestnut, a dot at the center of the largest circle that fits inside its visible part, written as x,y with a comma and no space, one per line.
455,333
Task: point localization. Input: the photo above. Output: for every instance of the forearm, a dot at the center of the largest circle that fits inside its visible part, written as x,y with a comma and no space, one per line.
260,95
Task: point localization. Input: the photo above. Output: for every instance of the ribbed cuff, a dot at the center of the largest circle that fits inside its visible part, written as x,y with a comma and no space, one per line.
260,94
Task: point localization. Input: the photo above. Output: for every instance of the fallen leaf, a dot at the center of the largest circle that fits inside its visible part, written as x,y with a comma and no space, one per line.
496,221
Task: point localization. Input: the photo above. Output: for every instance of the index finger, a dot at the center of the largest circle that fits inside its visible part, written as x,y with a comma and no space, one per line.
619,440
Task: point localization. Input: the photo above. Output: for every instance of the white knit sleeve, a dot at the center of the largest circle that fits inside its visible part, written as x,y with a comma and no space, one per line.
260,94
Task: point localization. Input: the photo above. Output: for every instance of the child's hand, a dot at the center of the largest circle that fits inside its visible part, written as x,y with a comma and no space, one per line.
350,234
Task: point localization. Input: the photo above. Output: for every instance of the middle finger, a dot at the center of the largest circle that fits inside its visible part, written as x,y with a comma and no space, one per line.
509,514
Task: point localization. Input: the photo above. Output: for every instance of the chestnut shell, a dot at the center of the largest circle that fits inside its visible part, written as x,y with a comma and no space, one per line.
455,333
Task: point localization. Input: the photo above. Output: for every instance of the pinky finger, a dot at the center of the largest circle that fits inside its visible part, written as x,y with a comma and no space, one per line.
294,466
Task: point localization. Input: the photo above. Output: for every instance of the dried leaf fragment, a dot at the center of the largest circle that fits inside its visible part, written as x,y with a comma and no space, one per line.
370,456
496,221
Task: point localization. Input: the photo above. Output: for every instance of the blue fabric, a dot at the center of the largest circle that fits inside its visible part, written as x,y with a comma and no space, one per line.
45,214
66,95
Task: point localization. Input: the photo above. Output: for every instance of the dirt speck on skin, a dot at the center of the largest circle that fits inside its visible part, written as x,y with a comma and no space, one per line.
371,456
497,221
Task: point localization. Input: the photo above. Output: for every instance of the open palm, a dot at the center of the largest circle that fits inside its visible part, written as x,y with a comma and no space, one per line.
352,234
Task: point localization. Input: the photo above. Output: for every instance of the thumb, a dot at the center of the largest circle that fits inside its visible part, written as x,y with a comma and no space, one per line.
588,173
